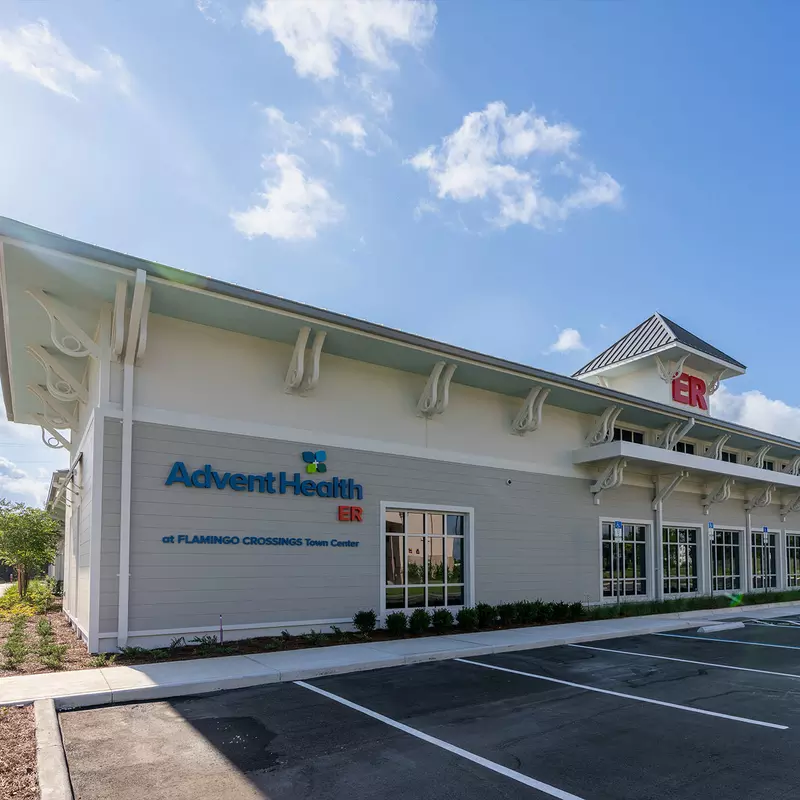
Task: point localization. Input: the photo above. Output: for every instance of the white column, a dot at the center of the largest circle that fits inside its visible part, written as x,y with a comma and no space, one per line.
747,567
658,551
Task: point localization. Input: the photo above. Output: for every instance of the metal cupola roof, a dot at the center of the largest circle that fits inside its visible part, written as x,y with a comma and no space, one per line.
655,335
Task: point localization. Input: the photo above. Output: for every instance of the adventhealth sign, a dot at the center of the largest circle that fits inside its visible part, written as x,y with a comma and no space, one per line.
268,483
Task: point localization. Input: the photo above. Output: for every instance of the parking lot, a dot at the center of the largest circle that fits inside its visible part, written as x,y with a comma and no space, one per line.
680,715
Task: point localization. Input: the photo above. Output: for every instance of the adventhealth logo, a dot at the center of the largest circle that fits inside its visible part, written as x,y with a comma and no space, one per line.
269,482
315,462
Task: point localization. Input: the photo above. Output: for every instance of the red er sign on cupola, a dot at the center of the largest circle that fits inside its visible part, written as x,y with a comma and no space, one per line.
690,390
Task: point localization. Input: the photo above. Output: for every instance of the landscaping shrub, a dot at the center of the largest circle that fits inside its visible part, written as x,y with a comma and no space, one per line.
468,619
313,638
397,623
365,621
442,620
560,612
419,621
487,615
526,612
15,648
575,611
507,612
102,660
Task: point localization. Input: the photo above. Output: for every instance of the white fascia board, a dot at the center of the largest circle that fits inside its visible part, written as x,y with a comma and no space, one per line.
657,457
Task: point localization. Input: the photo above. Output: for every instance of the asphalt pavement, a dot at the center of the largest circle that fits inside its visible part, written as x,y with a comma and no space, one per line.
667,716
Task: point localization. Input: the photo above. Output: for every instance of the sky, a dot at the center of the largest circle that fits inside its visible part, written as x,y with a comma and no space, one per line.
527,179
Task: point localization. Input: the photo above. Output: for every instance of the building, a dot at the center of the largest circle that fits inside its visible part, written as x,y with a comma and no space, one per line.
240,458
56,504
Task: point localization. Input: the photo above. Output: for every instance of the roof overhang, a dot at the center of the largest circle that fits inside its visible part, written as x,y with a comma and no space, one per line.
85,278
657,460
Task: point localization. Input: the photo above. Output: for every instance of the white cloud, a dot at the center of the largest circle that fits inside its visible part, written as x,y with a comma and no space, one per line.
314,32
350,126
16,484
380,99
481,160
37,53
754,409
295,206
424,207
568,340
286,134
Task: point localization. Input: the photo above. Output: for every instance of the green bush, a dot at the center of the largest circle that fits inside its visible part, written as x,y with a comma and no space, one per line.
468,619
442,620
526,612
40,595
313,638
15,648
102,660
419,621
561,612
507,612
365,621
575,611
397,623
487,615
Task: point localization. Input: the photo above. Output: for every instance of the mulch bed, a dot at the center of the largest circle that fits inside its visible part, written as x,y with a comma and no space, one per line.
18,779
76,656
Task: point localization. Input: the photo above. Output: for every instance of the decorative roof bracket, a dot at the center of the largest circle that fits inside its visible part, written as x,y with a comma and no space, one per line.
141,347
75,341
61,383
790,506
294,377
714,450
55,412
303,374
758,458
793,468
312,357
713,384
529,417
674,432
603,429
719,495
669,371
55,441
666,491
118,319
610,479
762,499
436,394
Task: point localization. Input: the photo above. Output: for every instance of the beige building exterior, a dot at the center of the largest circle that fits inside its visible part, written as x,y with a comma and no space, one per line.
242,460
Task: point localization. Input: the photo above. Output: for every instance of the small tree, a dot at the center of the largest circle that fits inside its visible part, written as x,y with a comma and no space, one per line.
28,540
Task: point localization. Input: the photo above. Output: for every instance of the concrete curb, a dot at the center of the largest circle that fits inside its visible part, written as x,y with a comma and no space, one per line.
51,762
722,626
113,685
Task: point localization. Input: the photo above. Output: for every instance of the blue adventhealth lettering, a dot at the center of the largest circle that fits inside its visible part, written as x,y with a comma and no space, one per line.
268,483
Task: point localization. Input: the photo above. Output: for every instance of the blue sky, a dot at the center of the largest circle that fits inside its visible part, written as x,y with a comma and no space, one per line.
529,179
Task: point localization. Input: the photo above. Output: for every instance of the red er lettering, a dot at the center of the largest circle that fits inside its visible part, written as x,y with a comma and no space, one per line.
690,391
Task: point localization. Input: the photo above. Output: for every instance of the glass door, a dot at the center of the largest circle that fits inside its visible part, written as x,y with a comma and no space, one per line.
764,558
624,556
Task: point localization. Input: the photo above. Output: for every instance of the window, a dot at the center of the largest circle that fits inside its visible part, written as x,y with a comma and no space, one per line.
769,465
424,559
680,560
625,435
731,458
726,572
624,560
684,447
793,559
765,561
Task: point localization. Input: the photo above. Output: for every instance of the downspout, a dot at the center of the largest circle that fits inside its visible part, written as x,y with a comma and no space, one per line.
127,452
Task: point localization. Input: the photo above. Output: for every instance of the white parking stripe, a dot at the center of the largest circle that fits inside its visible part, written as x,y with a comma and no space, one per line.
626,696
686,661
484,762
729,641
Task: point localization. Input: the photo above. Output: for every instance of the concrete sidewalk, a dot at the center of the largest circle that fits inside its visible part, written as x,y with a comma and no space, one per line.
107,685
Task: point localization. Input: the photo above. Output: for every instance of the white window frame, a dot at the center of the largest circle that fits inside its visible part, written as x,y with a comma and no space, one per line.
744,556
786,534
633,429
469,543
779,579
648,560
703,556
698,451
